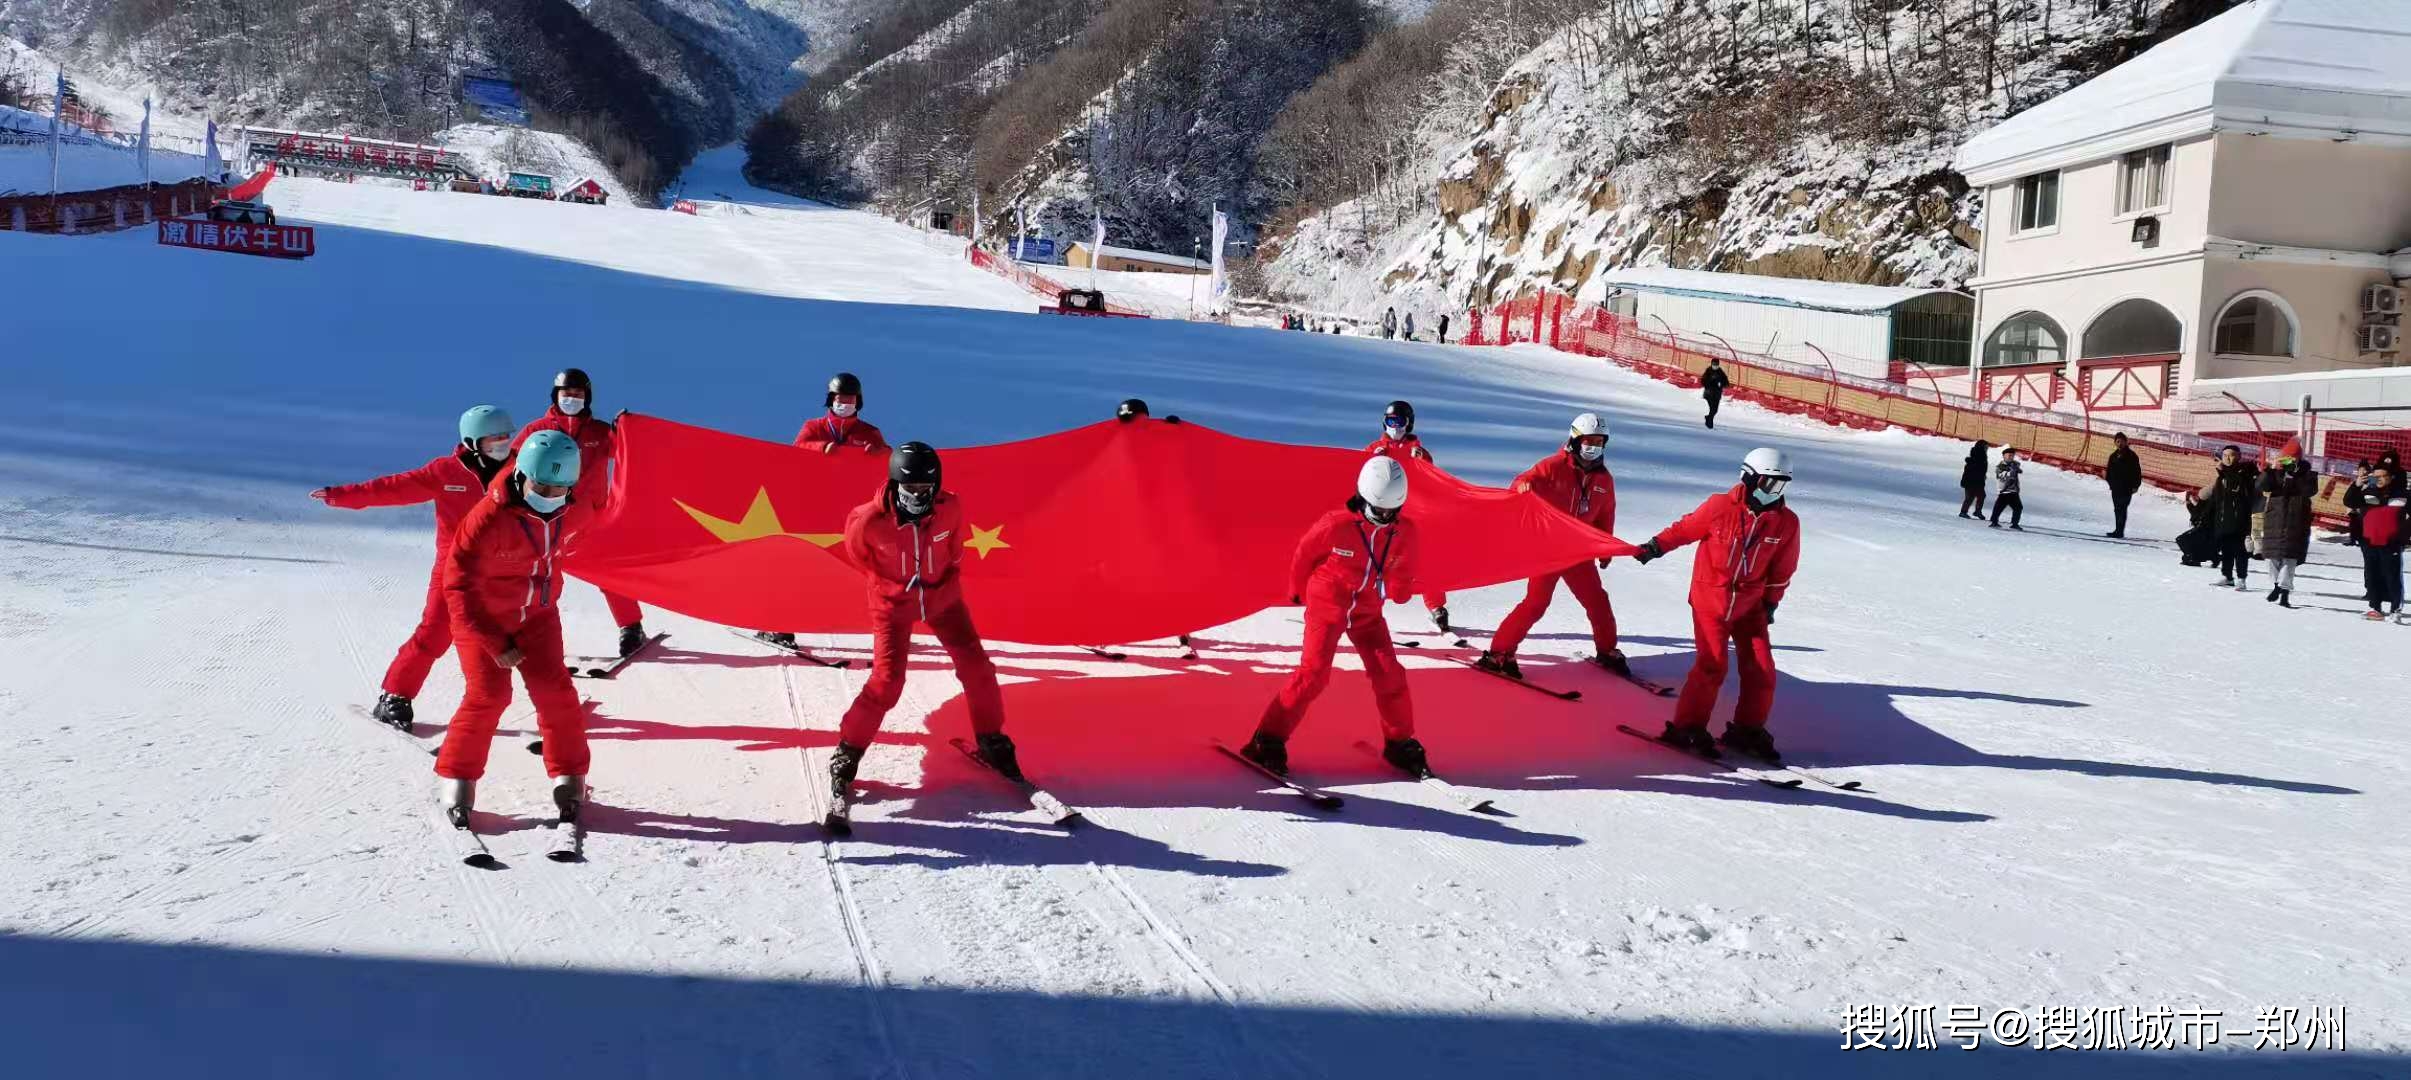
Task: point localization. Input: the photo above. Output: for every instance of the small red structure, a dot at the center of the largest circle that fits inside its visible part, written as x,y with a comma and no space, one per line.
683,206
588,192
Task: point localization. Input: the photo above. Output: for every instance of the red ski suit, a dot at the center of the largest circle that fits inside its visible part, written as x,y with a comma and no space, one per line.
598,446
912,573
1588,494
452,483
1345,567
1410,447
827,432
502,588
1744,564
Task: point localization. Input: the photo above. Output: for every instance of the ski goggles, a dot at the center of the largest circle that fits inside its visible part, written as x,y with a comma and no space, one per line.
1771,485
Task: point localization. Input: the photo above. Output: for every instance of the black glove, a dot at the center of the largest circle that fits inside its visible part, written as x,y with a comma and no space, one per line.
1604,560
1295,602
1770,613
1649,551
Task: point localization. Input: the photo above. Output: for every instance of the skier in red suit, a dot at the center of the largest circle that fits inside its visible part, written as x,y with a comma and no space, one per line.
842,424
1749,545
502,585
1346,565
454,483
572,414
909,543
1576,481
1399,441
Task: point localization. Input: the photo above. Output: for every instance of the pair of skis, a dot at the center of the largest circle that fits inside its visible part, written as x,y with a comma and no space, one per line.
796,651
1777,773
609,667
1188,651
837,813
458,829
1325,800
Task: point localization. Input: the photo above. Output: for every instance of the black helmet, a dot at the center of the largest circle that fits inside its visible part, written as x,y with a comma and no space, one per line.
912,463
1401,410
843,382
573,379
1130,409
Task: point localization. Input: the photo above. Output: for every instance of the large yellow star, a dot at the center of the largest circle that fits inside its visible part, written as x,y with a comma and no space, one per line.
986,540
760,520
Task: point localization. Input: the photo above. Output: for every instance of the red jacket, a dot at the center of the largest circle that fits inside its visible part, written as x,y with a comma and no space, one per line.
1745,559
915,565
2383,522
1388,447
504,569
450,482
598,444
820,431
1588,494
1346,562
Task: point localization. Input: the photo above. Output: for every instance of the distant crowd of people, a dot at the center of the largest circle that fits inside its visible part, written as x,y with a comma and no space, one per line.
1393,327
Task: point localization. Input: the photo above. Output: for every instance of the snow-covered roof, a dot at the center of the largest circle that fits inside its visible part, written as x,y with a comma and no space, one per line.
1147,256
2307,68
1760,289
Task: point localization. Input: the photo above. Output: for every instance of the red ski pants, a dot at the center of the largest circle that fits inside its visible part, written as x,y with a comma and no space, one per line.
427,644
1712,632
559,717
891,643
1371,636
1434,601
1581,579
624,612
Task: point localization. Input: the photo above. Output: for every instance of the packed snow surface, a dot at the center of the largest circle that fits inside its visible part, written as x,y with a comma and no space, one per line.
2092,781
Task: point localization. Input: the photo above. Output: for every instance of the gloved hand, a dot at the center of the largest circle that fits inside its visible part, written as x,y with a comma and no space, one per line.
510,657
1770,613
1604,560
828,448
319,494
1649,551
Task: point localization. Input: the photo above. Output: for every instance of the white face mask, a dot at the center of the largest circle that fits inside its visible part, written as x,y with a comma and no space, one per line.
544,504
1393,432
843,410
496,449
1592,453
573,405
912,502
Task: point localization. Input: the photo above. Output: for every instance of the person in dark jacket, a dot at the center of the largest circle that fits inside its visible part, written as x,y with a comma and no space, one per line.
2379,499
1971,479
2125,475
1712,383
1443,328
2352,508
2230,496
2284,528
2007,473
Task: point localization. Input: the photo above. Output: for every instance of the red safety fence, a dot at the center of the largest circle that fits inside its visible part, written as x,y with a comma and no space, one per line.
2172,460
105,210
1032,280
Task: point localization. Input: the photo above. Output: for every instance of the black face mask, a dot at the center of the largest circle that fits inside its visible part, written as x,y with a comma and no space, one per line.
1379,516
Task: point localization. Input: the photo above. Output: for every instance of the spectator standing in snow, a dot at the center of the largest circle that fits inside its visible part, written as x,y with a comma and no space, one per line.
1389,323
2125,476
2352,505
2007,474
1410,326
2379,501
1712,383
1443,328
2284,530
1971,479
2230,495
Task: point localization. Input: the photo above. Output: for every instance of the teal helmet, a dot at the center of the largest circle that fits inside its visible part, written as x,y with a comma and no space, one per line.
484,422
549,457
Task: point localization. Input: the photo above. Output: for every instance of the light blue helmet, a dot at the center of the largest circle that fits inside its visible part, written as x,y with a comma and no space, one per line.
549,457
484,422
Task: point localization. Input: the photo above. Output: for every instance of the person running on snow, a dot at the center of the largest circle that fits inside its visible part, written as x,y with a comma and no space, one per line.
1712,383
455,483
572,414
502,585
1576,481
1351,561
1399,441
909,543
1749,545
842,425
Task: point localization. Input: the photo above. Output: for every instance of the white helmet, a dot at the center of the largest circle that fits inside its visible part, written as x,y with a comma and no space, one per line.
1382,484
1589,423
1585,426
1768,472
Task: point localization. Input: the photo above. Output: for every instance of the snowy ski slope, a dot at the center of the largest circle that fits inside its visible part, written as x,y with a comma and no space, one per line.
2094,782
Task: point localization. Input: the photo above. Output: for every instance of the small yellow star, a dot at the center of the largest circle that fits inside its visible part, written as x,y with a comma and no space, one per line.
760,520
986,540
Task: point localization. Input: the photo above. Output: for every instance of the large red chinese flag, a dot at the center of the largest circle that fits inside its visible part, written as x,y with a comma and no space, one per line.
1108,533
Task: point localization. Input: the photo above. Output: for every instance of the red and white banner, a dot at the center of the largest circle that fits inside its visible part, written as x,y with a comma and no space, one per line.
276,241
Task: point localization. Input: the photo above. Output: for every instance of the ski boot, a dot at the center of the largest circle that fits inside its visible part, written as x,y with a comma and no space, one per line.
393,710
1407,755
782,640
1692,738
997,747
1440,619
569,796
843,762
1751,741
2285,598
459,798
1270,751
631,638
1613,661
2272,597
1499,665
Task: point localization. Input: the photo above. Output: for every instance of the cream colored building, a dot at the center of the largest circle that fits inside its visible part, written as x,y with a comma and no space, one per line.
1134,260
2206,220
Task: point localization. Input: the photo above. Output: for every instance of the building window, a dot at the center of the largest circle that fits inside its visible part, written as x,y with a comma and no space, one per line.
2133,328
2255,324
2143,181
2028,337
2038,202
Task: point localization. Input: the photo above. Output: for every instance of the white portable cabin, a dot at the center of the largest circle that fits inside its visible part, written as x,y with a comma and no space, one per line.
1861,328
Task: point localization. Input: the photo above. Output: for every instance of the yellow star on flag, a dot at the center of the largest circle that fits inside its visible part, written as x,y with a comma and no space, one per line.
986,540
760,520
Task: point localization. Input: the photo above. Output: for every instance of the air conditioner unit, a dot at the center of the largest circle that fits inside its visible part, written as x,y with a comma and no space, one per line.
2379,299
2381,338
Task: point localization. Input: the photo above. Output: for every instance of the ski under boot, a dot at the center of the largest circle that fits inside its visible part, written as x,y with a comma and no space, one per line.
1440,619
1749,741
1270,751
1499,665
631,638
782,640
569,796
1692,738
1613,661
459,798
1407,755
997,747
393,710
